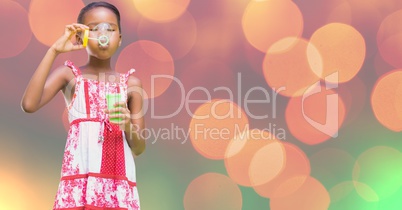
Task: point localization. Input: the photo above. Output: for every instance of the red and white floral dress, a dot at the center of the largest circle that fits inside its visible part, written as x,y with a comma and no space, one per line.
98,170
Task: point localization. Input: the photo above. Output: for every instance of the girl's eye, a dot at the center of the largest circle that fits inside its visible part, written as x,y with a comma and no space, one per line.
95,29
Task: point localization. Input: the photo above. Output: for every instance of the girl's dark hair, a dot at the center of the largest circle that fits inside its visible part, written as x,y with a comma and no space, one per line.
97,4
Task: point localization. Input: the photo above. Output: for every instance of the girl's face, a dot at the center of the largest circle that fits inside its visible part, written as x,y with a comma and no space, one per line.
102,15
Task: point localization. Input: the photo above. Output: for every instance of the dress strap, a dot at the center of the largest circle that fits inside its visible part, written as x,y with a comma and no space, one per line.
76,71
124,77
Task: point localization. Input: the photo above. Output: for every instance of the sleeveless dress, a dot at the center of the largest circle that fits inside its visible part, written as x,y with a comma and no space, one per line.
98,169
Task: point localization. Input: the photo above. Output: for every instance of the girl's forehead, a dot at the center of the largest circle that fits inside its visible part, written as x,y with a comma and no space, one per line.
99,15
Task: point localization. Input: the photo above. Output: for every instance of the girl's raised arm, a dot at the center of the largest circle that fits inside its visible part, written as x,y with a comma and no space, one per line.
41,89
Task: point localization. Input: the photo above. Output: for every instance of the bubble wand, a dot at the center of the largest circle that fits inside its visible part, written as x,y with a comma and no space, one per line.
103,34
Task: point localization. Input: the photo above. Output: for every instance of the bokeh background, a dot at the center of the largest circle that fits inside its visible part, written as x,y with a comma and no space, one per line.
321,79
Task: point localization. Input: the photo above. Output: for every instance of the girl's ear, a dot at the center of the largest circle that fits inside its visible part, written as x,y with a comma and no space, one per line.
120,41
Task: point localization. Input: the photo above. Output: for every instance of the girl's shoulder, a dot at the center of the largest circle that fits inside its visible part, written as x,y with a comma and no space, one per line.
132,80
64,73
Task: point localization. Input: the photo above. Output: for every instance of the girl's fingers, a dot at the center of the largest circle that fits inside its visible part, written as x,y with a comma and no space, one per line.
123,119
79,26
121,104
119,115
78,47
119,109
64,43
76,27
113,110
70,29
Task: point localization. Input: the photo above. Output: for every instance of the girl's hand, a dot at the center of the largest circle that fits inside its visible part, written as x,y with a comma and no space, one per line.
123,113
64,43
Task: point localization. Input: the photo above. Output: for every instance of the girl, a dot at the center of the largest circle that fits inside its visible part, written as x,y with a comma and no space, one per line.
98,169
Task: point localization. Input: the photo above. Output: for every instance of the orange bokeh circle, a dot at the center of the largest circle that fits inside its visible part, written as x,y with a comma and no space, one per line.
398,101
48,18
315,117
16,34
254,158
312,195
214,125
267,163
161,10
296,164
212,191
389,36
263,22
384,99
287,69
342,49
153,64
